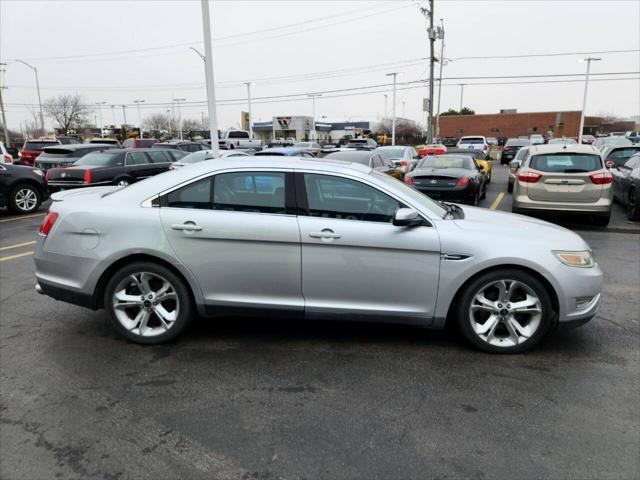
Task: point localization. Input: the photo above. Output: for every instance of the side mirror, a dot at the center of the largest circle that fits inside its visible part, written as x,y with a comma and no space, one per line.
514,164
407,217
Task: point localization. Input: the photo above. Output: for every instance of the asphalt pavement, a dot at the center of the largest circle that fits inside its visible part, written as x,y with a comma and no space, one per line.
270,399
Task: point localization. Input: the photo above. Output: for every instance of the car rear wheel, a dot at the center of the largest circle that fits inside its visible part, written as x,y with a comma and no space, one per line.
505,311
510,187
633,209
148,303
123,182
24,199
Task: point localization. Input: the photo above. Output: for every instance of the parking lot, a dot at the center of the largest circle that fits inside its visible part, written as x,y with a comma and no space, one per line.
264,399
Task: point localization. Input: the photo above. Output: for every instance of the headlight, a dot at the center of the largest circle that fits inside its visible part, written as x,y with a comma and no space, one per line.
37,171
575,259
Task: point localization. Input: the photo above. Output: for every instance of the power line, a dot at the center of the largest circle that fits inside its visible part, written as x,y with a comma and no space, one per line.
532,55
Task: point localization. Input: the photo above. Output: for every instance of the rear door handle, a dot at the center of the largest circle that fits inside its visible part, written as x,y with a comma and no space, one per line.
326,233
189,227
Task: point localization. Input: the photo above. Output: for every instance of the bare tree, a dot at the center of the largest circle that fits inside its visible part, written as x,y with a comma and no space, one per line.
407,131
157,121
67,111
189,124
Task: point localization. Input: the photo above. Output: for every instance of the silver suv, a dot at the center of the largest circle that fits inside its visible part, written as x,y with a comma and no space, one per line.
564,178
310,238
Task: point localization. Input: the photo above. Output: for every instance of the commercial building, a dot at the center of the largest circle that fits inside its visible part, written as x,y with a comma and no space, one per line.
300,128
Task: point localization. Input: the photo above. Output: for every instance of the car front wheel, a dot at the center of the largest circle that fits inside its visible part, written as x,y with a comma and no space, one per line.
148,303
24,199
505,311
633,209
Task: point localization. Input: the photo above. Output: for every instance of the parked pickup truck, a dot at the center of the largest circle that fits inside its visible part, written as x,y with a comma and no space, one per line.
237,139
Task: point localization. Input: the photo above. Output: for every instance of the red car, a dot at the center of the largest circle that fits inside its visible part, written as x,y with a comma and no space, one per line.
433,149
31,149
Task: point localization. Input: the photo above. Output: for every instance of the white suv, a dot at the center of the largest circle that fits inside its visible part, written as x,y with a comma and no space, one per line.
474,143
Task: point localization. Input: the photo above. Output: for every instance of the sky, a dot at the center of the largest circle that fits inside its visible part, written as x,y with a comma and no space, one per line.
117,52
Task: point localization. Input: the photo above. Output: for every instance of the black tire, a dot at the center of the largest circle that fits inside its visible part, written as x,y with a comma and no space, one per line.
602,220
17,200
180,287
510,187
484,192
633,205
462,315
476,198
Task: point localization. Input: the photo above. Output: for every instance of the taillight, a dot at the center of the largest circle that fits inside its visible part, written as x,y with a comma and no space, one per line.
46,176
462,181
506,149
87,176
404,163
47,223
6,158
529,176
408,180
601,178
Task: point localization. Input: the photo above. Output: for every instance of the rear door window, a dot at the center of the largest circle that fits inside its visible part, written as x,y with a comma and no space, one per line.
136,158
258,192
160,156
566,163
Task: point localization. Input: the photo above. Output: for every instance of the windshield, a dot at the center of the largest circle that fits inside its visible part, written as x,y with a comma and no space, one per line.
620,155
447,162
96,158
392,153
302,145
472,140
420,199
570,141
35,146
196,157
566,163
521,154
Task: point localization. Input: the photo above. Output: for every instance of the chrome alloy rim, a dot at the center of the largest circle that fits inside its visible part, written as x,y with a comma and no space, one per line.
26,199
146,304
505,313
123,183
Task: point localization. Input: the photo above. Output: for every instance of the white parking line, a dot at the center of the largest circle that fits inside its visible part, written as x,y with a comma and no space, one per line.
22,217
17,255
17,245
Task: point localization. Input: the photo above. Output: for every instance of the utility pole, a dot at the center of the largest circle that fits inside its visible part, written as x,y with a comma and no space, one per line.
442,60
7,139
99,105
428,13
393,108
202,118
113,112
385,105
461,95
208,66
403,109
178,100
248,84
138,102
124,115
313,114
584,98
35,70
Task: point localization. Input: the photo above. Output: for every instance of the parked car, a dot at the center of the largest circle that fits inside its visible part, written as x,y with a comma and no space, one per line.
111,167
31,149
238,139
22,189
562,141
588,139
602,143
514,167
362,143
492,141
455,178
511,148
449,141
405,158
337,232
139,142
474,143
616,155
626,186
634,137
431,149
617,134
378,161
284,152
502,141
104,141
329,148
536,139
480,157
311,147
65,140
564,179
65,155
184,145
5,156
203,155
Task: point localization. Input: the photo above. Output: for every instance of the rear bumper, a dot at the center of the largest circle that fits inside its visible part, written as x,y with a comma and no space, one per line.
523,202
457,194
66,294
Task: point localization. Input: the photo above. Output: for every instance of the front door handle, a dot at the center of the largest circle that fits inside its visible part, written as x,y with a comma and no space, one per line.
326,233
187,226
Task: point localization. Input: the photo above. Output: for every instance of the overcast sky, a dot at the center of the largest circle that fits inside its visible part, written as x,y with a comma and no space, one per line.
296,47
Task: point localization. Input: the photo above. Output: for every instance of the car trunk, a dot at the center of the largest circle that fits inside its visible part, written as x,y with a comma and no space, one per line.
68,175
54,158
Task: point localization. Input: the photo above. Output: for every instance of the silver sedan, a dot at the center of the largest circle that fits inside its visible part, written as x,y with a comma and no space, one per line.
313,239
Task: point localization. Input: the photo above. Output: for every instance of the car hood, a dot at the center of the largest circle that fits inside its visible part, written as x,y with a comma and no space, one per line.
519,229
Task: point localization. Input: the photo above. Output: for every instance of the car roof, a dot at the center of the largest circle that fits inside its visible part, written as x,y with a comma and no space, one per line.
282,150
560,148
351,153
80,146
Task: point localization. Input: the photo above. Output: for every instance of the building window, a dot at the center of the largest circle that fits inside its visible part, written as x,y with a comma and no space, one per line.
533,129
460,130
494,129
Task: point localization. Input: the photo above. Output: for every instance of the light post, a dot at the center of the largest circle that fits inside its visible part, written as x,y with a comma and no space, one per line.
393,107
442,62
248,84
113,111
35,71
208,67
584,98
385,105
138,102
313,118
202,118
99,105
461,95
178,100
404,115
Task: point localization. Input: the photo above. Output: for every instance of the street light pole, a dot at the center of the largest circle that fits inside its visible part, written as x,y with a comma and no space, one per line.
113,111
178,100
138,102
35,70
99,104
461,94
393,108
385,105
208,66
7,139
403,109
432,38
313,114
248,84
441,36
584,98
